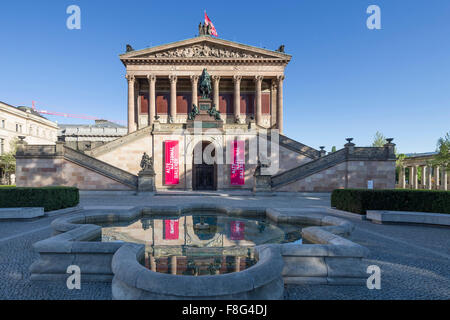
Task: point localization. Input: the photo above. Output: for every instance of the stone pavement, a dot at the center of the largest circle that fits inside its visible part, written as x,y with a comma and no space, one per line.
414,260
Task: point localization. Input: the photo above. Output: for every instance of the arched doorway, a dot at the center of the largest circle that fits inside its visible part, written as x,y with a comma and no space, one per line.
204,174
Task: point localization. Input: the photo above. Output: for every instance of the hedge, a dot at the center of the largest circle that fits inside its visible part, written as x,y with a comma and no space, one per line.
50,198
361,200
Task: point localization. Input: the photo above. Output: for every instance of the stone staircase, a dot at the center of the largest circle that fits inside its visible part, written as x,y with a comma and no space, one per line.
308,168
101,167
100,150
330,160
298,147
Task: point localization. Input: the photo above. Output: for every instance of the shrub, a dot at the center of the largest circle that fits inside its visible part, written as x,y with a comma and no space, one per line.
361,200
51,198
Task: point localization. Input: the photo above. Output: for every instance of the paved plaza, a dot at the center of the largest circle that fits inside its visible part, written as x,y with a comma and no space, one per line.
414,260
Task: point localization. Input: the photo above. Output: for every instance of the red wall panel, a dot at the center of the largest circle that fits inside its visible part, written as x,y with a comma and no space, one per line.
162,103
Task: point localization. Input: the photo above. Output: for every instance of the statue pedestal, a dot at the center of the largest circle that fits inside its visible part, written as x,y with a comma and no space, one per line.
262,183
146,181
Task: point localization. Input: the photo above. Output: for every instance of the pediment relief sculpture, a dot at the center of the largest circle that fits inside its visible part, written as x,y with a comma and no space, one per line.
205,50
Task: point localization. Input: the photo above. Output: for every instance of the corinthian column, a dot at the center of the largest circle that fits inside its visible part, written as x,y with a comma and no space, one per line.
237,97
216,80
280,103
173,98
258,82
444,179
131,104
152,99
194,82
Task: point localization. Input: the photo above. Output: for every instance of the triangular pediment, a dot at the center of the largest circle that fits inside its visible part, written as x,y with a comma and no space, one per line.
205,47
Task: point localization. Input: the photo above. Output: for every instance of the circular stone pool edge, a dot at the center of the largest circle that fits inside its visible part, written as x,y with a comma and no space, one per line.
331,259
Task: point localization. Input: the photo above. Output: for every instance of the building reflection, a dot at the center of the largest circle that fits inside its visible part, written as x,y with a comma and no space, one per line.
197,244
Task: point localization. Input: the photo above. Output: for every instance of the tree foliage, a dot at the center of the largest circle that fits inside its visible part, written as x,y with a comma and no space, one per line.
442,159
8,161
379,140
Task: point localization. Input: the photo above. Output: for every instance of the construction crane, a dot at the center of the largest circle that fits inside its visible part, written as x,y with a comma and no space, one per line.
68,115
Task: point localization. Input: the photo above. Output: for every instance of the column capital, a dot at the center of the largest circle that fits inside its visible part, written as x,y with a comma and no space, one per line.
151,77
280,78
173,78
237,78
130,78
258,78
216,77
194,78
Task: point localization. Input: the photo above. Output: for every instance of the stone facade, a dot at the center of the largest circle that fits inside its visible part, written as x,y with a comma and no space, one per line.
351,174
24,121
57,172
169,100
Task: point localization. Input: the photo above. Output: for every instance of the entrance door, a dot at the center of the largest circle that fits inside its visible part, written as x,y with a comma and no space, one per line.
204,175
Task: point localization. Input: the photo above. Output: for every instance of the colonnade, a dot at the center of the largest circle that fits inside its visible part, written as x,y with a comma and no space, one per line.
432,178
132,108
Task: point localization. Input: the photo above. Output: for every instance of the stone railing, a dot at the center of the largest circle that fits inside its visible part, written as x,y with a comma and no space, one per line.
101,167
81,159
105,148
296,146
349,153
25,150
309,168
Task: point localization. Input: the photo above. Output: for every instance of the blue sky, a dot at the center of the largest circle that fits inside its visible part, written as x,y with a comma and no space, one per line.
344,80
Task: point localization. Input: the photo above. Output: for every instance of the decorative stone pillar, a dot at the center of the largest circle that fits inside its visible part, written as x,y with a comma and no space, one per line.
237,97
173,264
173,99
237,264
424,177
151,98
402,180
280,103
152,262
444,179
258,81
131,103
429,179
410,179
415,177
194,83
323,153
216,81
436,177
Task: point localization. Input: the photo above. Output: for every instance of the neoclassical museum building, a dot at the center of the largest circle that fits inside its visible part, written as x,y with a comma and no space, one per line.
206,96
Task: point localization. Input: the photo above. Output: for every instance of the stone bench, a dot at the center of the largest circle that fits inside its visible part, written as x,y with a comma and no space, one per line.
382,216
20,213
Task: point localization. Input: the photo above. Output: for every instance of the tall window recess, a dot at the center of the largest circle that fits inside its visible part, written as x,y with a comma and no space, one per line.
2,146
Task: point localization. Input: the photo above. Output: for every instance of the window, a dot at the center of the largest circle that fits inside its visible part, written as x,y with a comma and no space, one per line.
3,123
2,146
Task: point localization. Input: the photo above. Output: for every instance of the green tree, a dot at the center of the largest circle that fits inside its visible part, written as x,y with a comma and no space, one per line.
8,161
333,149
379,140
442,159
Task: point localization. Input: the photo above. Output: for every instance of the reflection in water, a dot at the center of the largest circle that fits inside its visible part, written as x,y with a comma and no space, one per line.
202,244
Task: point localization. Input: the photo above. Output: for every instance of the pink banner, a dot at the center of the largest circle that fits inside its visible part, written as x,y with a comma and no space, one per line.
171,231
237,163
171,168
237,229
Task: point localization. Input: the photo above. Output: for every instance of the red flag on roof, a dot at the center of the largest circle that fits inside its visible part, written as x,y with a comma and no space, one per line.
209,22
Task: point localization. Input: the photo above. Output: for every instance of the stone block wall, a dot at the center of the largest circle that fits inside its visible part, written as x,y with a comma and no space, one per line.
349,174
57,171
128,156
